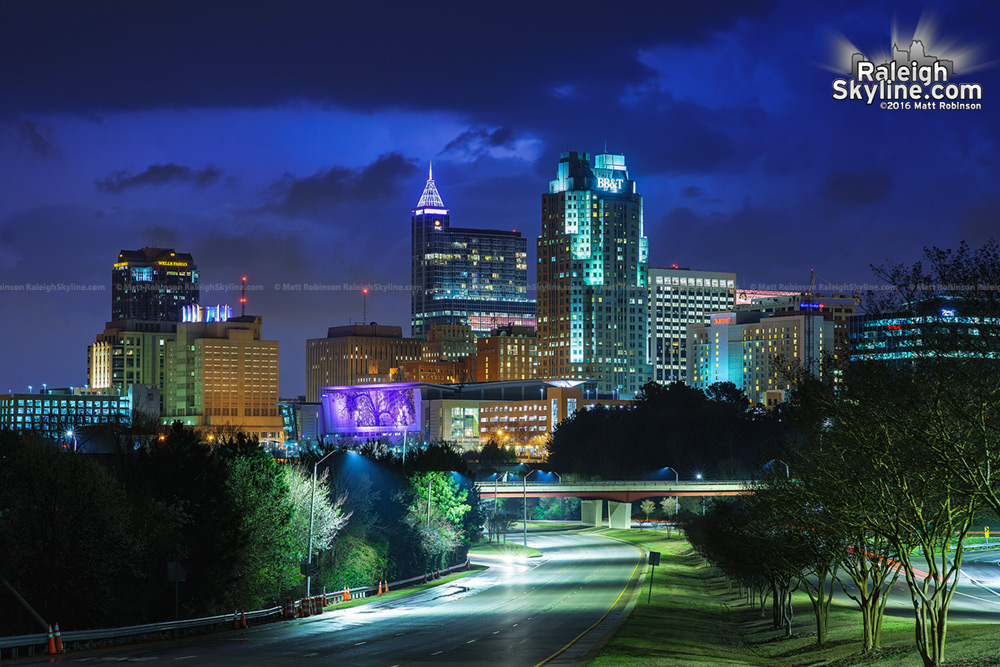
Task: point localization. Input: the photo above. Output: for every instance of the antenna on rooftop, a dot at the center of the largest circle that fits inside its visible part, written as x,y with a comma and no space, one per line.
243,297
364,296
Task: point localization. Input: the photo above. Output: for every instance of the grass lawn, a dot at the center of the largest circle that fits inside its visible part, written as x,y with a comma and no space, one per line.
503,549
693,620
403,592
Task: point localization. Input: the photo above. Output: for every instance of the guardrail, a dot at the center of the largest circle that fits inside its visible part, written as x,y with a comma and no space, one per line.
84,639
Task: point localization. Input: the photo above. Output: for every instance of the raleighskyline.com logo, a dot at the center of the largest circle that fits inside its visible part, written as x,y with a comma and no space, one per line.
911,80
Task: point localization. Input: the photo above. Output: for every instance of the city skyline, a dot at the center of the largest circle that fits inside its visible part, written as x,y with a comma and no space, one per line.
261,158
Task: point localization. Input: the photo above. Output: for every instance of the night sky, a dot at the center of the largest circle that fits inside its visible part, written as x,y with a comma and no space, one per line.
289,141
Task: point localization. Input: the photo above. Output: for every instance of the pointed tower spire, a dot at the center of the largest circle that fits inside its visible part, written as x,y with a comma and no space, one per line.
430,197
430,170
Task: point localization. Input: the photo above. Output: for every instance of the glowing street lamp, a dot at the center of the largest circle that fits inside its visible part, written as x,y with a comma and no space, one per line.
312,506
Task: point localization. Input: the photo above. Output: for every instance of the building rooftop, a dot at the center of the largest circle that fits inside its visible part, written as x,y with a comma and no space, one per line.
430,197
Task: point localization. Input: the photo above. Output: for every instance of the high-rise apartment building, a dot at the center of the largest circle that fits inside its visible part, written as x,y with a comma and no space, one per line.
758,351
592,276
357,353
224,376
153,284
477,277
679,297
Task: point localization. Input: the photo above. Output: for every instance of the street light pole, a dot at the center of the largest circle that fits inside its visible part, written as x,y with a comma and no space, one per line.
312,507
677,480
524,504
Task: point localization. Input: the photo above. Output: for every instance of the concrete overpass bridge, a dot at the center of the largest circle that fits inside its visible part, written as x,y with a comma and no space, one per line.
619,494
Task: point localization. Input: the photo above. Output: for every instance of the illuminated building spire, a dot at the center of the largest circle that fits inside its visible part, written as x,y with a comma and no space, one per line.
430,198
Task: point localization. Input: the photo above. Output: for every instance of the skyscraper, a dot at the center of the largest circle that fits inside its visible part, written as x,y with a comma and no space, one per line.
477,277
153,284
592,276
679,297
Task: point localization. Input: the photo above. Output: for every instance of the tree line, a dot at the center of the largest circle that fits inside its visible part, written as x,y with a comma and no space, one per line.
892,460
715,432
86,540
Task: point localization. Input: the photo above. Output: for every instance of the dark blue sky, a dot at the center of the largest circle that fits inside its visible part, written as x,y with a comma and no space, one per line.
288,141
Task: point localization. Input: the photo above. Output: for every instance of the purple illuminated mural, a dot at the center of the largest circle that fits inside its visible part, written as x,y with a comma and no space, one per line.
371,409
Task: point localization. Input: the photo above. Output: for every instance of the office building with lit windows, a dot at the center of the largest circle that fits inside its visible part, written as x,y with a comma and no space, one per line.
758,351
153,284
130,353
223,377
593,320
57,413
679,297
519,415
942,327
356,354
477,277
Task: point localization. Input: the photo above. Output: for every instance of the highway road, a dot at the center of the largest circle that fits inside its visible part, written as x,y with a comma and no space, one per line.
511,614
978,595
976,599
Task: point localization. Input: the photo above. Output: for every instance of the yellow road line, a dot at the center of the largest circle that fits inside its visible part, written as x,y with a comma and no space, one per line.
613,605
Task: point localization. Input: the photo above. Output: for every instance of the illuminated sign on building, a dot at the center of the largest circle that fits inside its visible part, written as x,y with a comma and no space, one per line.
948,312
371,409
609,184
166,263
192,313
722,320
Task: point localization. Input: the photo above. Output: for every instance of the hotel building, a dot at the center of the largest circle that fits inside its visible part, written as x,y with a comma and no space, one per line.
757,351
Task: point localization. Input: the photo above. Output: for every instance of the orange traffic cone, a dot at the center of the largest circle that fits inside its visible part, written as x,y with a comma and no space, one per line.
236,621
425,577
59,646
379,588
347,595
243,620
52,642
387,587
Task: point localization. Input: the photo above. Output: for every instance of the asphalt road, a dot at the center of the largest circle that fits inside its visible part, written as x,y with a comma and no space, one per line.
976,599
511,614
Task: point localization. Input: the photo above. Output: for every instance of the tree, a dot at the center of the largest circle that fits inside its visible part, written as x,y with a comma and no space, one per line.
673,425
646,507
866,555
669,508
439,524
66,538
325,509
877,437
813,545
493,454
